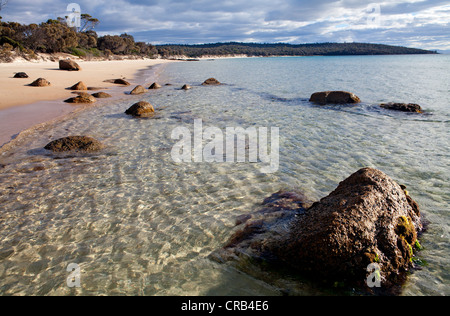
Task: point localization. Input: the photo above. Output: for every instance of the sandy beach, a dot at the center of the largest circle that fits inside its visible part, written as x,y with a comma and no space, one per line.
23,106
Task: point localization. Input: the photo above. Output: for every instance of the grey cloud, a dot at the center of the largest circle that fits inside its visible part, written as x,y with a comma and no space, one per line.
203,21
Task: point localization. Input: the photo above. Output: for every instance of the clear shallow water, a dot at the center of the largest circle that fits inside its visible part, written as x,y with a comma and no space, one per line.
138,223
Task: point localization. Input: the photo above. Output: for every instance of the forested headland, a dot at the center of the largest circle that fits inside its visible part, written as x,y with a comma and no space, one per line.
280,49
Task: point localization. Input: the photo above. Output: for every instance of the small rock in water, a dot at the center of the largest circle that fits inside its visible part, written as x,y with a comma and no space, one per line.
138,90
211,81
141,109
82,98
402,107
101,95
75,143
334,97
155,86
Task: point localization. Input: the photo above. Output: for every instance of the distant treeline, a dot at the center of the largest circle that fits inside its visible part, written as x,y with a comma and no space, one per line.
264,50
55,36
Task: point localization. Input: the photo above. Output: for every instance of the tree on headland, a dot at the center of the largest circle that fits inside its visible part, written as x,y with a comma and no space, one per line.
88,23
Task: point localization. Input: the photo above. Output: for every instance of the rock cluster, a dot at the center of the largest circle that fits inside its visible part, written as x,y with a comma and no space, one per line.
344,97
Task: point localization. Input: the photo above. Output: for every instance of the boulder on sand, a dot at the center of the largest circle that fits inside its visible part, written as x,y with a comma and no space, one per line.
121,81
21,75
138,90
402,107
334,97
141,109
80,86
369,219
211,81
41,82
75,143
70,65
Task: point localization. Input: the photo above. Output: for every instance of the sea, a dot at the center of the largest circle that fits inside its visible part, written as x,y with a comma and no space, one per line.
134,220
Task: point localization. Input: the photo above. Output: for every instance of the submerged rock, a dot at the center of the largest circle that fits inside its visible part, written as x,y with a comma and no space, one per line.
211,81
41,82
402,107
186,87
138,90
70,65
141,109
368,219
75,143
334,97
21,75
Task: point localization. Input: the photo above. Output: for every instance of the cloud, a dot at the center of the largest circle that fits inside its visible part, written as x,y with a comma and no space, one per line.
418,23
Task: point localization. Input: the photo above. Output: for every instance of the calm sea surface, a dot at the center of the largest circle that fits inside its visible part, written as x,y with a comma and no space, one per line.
137,223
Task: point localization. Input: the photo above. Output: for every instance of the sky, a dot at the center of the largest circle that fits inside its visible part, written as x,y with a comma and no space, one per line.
412,23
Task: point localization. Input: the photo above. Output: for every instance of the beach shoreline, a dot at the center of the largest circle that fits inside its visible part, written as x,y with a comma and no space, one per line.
23,107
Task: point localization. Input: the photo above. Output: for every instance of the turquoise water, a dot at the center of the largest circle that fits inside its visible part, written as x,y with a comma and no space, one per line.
138,223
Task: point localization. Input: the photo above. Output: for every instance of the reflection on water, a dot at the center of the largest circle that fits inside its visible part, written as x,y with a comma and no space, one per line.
138,223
